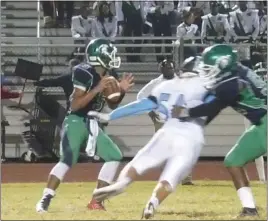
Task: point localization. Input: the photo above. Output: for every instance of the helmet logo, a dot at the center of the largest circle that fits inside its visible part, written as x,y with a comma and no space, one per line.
223,61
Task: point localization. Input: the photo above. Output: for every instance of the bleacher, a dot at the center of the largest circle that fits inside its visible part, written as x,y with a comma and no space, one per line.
19,19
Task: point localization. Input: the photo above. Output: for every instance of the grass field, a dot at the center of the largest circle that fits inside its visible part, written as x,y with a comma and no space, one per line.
208,200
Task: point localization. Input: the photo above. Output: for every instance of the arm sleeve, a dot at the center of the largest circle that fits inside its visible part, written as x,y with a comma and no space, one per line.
54,82
146,90
82,79
133,108
227,94
210,109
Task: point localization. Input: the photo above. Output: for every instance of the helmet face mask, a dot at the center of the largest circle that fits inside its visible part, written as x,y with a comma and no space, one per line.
216,63
100,52
107,57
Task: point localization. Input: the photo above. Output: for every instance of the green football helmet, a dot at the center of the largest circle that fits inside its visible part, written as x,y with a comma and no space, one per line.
101,52
216,63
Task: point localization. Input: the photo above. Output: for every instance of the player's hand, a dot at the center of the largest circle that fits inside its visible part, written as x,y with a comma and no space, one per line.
177,111
126,82
154,116
102,84
99,116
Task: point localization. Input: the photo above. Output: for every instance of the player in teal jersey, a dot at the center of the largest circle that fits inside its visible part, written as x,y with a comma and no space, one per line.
239,87
89,80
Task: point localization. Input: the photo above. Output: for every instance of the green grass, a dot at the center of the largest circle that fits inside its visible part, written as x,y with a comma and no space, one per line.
208,200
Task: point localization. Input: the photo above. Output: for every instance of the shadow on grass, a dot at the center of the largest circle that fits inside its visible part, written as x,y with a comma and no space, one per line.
189,214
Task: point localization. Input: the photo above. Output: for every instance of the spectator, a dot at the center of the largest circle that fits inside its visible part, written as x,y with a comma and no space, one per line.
105,24
49,10
215,25
262,18
62,7
245,22
159,11
201,8
130,16
202,5
259,53
81,27
188,30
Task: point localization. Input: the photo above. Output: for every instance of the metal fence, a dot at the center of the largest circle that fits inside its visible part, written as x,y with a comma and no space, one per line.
46,46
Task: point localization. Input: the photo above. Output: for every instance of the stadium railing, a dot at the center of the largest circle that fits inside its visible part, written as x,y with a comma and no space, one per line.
120,42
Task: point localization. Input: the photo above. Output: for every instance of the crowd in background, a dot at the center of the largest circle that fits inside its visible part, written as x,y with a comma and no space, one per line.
212,21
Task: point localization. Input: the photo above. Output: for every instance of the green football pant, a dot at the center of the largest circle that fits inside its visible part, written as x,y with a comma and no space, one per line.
76,132
251,145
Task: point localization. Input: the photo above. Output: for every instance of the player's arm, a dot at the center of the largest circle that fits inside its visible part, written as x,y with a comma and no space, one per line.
227,94
133,108
82,95
145,92
53,82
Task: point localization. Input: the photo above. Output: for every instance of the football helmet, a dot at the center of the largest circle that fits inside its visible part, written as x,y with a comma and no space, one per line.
101,52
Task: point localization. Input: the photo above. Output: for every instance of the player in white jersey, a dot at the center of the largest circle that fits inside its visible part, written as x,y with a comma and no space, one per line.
176,146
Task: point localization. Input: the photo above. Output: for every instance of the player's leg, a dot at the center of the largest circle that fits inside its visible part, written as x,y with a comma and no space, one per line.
251,145
260,168
152,155
259,161
188,179
176,169
73,135
111,154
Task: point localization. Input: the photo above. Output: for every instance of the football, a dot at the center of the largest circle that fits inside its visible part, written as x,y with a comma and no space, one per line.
112,92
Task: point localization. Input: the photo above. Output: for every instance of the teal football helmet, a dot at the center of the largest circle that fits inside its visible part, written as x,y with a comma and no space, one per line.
101,52
216,63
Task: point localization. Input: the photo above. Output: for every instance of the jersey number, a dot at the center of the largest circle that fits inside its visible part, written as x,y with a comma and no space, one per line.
180,100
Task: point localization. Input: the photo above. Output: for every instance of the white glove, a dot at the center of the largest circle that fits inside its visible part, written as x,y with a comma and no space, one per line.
99,116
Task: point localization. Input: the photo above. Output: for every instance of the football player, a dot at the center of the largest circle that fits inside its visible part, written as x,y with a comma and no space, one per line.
89,81
172,146
166,67
239,87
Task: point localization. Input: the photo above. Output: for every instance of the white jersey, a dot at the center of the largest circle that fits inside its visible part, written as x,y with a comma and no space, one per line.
187,92
147,90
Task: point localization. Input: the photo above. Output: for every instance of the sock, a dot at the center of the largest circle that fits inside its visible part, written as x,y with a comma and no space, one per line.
48,191
108,171
260,168
246,197
154,201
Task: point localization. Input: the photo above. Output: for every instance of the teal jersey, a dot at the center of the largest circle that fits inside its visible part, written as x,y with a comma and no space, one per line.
86,78
245,92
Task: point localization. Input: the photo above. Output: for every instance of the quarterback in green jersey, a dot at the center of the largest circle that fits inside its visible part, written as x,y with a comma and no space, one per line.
89,81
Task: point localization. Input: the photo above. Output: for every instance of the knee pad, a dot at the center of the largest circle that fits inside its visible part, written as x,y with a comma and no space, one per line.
167,186
59,170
